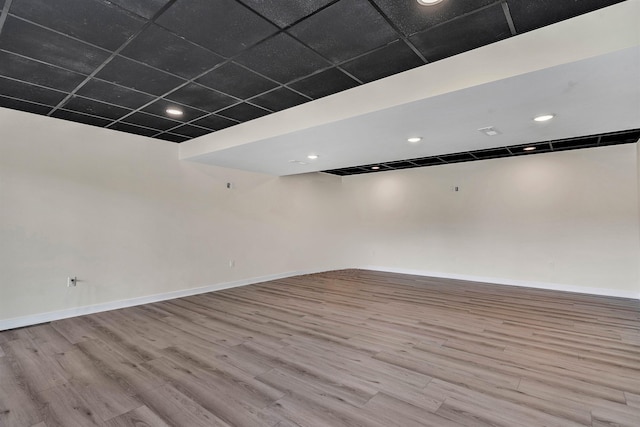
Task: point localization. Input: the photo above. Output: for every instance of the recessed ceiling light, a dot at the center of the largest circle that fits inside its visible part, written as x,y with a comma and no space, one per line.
312,156
415,139
174,111
529,148
428,2
375,168
544,117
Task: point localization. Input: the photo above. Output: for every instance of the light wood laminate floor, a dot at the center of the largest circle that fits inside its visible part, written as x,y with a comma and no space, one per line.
347,348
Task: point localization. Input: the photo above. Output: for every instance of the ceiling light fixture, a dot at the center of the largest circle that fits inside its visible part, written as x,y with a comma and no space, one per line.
529,148
428,2
415,139
544,117
312,156
174,111
490,131
375,168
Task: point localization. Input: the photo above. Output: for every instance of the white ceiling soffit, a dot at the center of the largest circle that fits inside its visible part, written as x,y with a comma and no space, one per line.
585,70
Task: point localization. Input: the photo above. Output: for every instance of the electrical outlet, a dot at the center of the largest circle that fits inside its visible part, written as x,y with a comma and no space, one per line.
232,263
72,282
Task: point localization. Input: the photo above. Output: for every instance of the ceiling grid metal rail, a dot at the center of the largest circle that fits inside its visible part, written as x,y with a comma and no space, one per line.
590,141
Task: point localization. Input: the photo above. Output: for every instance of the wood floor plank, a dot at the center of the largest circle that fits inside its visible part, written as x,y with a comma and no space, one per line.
342,348
290,383
567,398
139,417
317,411
177,408
633,399
65,407
104,395
19,405
495,410
390,410
232,405
46,338
314,371
226,376
120,366
607,418
39,369
542,369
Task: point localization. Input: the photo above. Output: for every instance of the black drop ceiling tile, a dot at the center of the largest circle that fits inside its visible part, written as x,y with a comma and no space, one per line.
201,97
492,153
568,144
410,16
486,26
224,26
97,22
161,49
159,108
95,108
144,8
282,58
190,131
344,30
215,122
80,118
428,161
36,72
128,73
47,46
150,121
620,138
338,172
236,80
172,137
28,92
113,94
138,130
18,104
243,112
324,83
391,59
1,4
457,157
353,171
400,165
285,12
529,15
279,99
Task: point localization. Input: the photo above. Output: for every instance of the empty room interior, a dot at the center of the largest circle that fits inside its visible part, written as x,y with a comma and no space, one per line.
319,213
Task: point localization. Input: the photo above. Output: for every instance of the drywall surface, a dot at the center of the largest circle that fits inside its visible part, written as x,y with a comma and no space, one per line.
566,218
129,219
134,223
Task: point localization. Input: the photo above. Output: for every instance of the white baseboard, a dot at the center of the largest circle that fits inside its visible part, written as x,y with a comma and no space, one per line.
18,322
510,282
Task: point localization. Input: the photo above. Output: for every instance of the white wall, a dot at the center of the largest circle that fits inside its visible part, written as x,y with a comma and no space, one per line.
131,220
565,220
